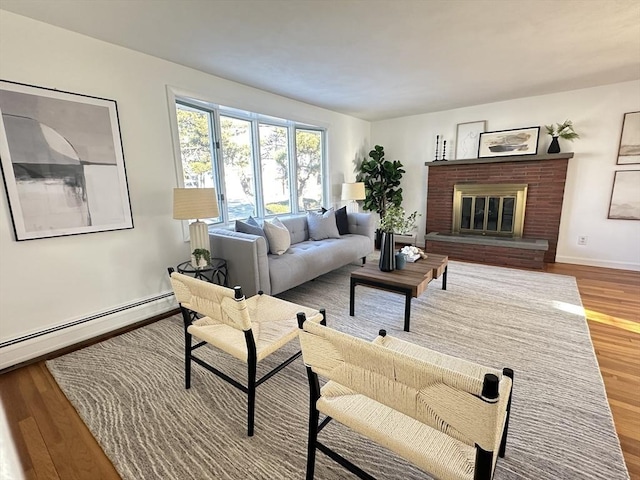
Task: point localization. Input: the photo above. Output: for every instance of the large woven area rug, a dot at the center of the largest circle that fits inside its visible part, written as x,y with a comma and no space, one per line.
129,390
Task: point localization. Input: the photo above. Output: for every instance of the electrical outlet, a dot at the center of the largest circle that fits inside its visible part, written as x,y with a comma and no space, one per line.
582,240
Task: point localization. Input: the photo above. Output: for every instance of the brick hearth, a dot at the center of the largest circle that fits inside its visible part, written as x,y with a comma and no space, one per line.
545,176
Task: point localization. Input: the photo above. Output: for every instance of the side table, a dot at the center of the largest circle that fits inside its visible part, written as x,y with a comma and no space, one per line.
214,273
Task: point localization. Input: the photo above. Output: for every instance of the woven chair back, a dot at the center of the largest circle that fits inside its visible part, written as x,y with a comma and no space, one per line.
447,400
211,300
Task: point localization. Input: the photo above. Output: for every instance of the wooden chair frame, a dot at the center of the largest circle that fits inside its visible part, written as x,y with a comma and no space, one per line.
249,389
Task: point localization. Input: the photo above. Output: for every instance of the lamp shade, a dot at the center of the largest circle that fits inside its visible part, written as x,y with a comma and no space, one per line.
189,203
353,191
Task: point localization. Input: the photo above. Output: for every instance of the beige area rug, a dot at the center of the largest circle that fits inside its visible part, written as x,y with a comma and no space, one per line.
129,389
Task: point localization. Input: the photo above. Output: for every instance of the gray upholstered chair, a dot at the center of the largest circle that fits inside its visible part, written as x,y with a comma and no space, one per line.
249,329
445,415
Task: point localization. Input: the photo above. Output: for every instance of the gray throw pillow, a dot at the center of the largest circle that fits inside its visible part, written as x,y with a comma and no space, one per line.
322,225
252,227
278,235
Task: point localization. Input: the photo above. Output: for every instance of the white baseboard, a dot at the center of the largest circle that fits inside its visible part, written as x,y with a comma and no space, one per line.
598,263
24,350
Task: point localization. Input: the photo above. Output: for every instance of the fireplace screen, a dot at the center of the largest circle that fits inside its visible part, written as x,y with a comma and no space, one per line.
489,209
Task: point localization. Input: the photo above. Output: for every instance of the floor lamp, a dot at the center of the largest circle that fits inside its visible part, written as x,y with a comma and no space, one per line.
353,192
190,203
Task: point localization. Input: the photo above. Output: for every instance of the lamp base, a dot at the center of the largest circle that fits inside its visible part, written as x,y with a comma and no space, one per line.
353,207
199,238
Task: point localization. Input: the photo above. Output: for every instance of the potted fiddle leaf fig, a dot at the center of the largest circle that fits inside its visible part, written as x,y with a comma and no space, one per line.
381,180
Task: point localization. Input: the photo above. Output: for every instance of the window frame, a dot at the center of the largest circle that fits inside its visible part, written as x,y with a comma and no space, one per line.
215,112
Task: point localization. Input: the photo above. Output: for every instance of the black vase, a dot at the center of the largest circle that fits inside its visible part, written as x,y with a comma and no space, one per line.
554,147
387,255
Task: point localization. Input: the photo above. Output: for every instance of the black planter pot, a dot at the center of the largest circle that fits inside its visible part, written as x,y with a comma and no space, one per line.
378,239
554,147
387,254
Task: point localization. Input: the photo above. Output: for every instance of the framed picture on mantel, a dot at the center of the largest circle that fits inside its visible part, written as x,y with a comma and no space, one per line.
503,143
467,139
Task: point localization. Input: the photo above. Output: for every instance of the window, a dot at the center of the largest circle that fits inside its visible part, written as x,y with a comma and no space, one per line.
309,168
275,165
237,156
259,165
196,147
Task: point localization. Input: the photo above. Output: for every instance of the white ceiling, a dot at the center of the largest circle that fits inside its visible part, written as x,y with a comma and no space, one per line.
374,59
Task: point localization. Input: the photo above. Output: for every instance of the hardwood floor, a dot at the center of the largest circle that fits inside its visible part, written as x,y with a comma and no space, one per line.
611,299
53,443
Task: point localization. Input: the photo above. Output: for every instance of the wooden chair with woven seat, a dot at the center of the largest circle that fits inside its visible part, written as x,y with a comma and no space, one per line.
443,414
249,329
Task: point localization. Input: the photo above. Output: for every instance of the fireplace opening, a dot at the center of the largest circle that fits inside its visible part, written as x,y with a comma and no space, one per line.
489,209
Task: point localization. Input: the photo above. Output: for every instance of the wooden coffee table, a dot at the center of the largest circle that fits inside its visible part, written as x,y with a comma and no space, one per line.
410,281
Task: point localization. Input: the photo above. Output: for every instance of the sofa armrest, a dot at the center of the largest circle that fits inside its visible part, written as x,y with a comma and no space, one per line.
246,256
362,224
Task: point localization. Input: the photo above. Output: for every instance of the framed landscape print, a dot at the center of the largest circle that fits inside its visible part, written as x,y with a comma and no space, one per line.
629,149
625,195
62,162
522,141
468,138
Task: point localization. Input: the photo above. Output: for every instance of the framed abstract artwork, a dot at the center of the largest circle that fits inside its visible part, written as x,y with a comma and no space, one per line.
625,195
629,149
62,162
522,141
468,138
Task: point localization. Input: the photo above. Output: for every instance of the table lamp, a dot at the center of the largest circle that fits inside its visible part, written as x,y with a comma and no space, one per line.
353,192
190,203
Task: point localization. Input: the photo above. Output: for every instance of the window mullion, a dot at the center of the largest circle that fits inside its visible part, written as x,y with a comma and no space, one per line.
219,165
293,170
257,168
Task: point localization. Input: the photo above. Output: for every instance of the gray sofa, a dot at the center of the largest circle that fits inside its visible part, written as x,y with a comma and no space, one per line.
250,266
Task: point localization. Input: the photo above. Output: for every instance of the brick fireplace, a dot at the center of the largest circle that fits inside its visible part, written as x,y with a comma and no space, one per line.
544,177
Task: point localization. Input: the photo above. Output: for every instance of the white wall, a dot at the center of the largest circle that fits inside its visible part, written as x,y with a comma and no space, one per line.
50,282
597,116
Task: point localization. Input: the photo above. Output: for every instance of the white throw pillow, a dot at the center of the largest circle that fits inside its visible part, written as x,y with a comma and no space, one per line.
322,225
278,235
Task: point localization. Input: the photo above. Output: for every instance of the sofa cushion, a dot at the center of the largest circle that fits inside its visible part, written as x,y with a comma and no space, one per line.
253,227
298,228
322,226
278,235
341,221
307,260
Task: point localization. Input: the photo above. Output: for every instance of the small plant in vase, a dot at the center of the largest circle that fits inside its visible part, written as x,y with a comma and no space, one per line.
200,258
560,130
393,221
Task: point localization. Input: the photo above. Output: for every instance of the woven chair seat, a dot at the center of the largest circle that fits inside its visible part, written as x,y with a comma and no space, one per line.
425,447
273,323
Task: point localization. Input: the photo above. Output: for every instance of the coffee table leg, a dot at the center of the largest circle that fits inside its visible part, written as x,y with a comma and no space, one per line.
407,310
444,278
352,295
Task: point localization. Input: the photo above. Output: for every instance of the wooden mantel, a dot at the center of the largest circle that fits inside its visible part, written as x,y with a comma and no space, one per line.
508,158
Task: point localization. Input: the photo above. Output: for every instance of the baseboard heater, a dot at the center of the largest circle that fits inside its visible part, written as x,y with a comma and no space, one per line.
83,320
